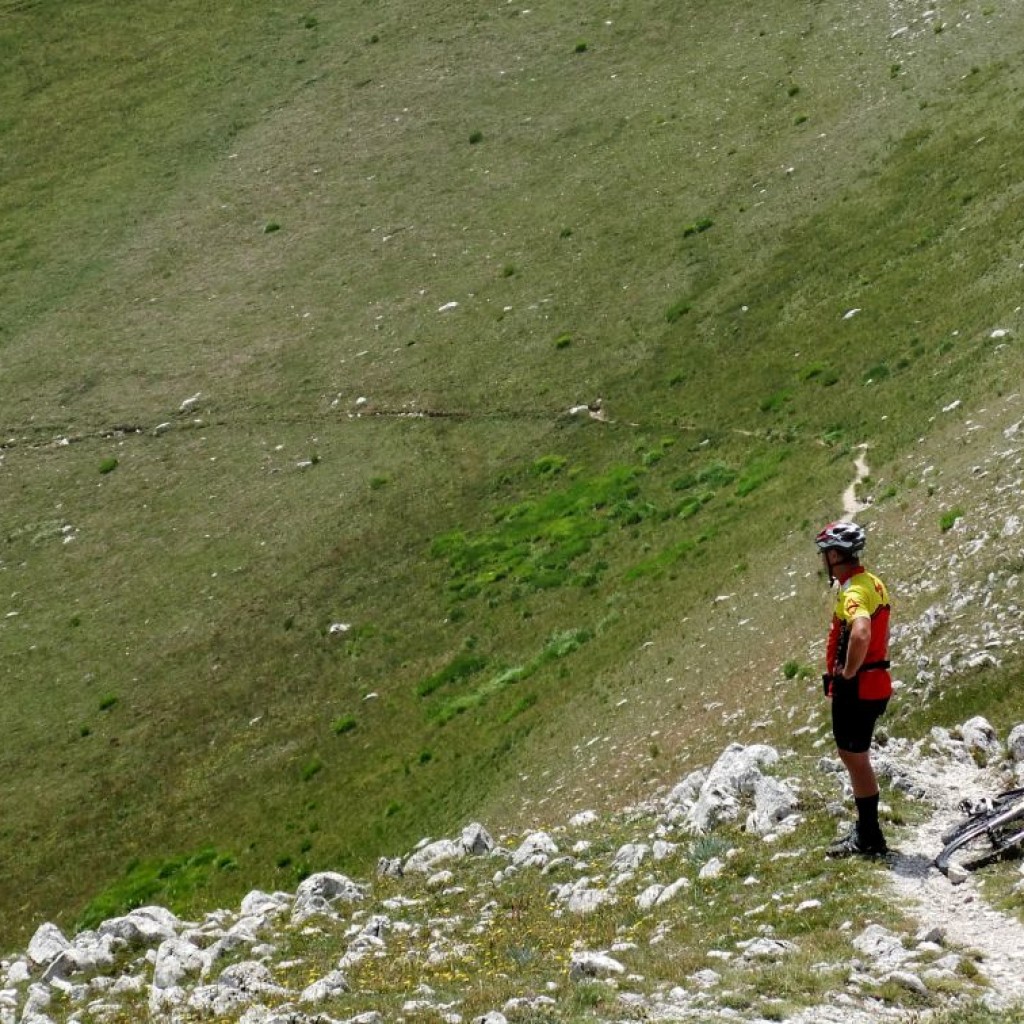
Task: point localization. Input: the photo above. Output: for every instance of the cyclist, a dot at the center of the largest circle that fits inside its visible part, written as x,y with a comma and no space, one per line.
857,676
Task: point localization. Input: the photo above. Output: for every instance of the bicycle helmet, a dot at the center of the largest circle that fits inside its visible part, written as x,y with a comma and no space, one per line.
842,536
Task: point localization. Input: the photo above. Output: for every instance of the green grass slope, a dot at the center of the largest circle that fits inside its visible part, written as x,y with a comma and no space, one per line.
302,554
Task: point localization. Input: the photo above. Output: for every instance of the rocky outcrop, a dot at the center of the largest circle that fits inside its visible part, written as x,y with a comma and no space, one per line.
228,966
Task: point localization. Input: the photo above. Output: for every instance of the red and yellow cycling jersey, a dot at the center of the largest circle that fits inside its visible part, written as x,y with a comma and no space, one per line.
863,594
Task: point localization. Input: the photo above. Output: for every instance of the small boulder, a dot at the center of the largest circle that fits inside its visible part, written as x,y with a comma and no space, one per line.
980,739
47,944
425,860
584,965
329,987
1015,743
535,850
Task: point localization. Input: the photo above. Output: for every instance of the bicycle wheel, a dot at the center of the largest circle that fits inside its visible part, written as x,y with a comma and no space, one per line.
987,841
998,805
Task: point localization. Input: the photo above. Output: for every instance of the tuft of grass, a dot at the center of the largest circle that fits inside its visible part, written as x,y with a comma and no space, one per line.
677,310
698,227
461,667
549,465
108,465
949,518
343,725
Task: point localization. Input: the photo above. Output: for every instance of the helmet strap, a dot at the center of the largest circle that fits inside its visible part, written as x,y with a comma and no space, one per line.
828,566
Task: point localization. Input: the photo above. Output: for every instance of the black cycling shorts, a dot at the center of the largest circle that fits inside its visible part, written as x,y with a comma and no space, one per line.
853,719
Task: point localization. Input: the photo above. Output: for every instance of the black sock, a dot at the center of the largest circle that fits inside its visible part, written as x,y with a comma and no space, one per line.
867,815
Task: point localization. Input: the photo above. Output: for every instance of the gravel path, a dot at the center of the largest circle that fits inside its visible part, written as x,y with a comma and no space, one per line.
959,911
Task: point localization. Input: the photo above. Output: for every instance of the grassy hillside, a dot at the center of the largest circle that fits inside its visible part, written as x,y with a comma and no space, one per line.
302,554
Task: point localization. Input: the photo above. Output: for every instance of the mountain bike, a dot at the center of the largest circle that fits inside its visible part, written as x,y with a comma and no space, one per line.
993,829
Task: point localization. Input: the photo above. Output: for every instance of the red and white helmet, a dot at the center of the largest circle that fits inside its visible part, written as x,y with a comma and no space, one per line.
842,536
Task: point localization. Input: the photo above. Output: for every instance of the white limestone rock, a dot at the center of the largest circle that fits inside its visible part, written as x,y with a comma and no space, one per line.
144,926
426,860
630,857
535,850
584,965
47,944
1015,743
328,987
980,739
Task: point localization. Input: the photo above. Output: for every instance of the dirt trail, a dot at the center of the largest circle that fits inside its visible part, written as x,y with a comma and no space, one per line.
959,911
851,504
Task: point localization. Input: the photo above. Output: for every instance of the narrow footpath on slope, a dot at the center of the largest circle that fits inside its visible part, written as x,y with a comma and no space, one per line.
958,911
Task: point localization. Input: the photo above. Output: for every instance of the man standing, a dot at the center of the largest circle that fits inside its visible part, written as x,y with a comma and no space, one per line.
857,677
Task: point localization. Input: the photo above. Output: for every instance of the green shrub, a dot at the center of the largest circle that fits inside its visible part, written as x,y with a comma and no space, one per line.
677,311
790,669
462,666
591,995
561,644
581,47
773,403
343,725
107,701
270,227
311,768
716,474
475,137
758,471
698,227
563,341
549,465
108,465
948,519
522,705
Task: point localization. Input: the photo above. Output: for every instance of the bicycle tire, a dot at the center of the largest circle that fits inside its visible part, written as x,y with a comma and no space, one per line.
990,839
999,804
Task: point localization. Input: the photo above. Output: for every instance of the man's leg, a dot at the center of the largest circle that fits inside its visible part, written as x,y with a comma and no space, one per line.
865,795
862,774
853,723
